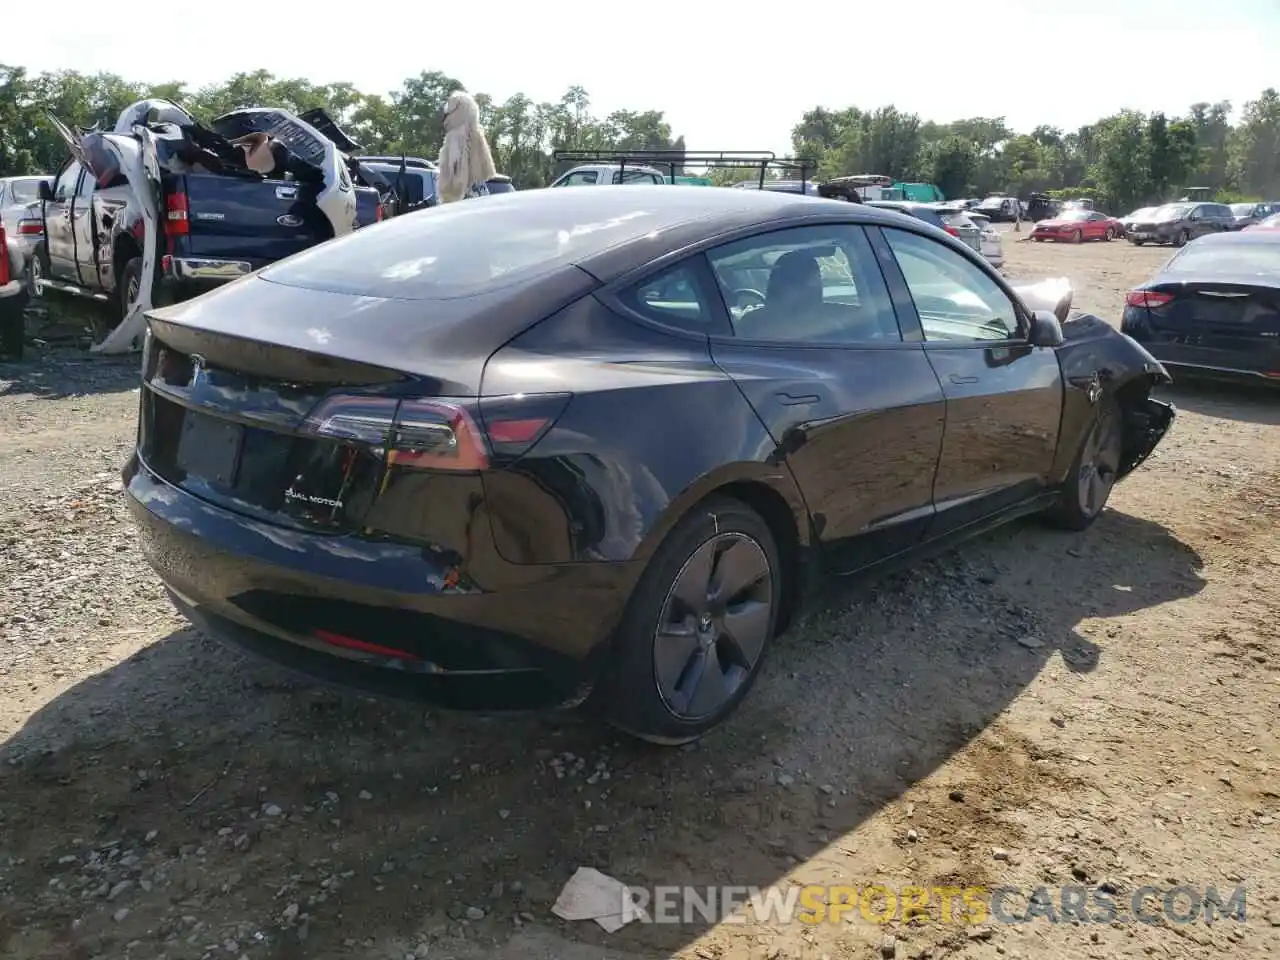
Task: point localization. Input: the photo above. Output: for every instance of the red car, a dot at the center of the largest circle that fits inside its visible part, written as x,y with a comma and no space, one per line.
1077,226
1271,223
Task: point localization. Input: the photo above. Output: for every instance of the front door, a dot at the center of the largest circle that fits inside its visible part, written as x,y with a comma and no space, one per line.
1003,396
852,404
59,230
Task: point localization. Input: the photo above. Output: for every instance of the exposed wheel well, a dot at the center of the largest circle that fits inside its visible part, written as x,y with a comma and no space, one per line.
777,515
123,250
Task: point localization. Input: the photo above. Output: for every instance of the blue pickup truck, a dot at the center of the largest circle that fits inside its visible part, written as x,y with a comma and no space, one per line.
217,218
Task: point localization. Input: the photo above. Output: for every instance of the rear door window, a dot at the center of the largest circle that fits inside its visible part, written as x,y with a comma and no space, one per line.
806,285
581,178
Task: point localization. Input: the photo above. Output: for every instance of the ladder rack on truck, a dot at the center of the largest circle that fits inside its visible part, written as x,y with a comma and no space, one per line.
671,161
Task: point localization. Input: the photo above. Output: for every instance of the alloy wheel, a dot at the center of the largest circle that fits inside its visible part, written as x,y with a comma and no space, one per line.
1099,463
714,624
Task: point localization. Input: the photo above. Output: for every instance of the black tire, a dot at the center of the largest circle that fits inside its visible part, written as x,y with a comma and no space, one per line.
1093,470
1109,236
1077,236
12,325
1181,239
128,286
1137,243
630,693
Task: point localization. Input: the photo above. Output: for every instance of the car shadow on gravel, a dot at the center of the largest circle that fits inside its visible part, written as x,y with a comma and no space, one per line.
1229,401
325,819
59,372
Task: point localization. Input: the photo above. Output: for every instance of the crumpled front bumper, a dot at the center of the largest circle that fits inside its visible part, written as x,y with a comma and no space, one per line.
1145,427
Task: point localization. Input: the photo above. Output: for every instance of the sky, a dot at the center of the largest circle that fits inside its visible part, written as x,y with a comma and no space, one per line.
726,78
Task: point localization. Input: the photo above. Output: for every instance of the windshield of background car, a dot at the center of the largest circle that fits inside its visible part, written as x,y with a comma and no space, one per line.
26,191
1243,209
992,203
1236,259
1074,215
1172,211
459,249
1141,214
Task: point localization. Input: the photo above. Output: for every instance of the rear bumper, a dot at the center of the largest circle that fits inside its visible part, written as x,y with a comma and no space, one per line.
380,617
185,277
1261,365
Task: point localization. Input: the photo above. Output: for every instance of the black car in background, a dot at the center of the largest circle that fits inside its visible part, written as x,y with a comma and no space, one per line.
1178,223
600,443
1247,214
1214,308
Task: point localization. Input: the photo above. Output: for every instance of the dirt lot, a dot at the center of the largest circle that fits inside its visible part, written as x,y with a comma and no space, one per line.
1037,709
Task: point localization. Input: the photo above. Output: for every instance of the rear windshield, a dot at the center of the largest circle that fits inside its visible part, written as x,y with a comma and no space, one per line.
1235,259
461,249
25,191
955,219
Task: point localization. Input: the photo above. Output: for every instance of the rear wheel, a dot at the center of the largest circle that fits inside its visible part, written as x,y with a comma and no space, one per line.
1181,239
1109,235
1093,473
128,287
1077,236
1137,243
697,627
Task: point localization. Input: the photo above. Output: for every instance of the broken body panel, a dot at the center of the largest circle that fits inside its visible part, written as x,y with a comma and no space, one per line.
191,189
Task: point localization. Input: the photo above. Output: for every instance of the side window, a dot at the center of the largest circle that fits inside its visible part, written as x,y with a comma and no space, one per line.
956,299
672,297
65,188
806,285
86,185
580,179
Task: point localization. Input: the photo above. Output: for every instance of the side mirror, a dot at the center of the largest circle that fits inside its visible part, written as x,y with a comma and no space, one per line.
46,191
1045,330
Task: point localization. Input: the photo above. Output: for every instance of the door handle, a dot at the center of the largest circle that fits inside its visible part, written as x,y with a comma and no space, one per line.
956,378
794,400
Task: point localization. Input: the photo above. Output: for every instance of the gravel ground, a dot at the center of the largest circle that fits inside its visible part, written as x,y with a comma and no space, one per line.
1035,709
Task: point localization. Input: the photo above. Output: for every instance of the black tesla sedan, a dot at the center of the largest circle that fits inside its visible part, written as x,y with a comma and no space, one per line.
594,445
1214,309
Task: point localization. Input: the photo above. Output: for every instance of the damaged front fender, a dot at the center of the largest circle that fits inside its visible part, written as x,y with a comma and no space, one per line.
1097,360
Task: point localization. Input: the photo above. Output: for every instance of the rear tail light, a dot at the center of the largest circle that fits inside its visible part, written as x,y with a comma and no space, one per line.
30,228
439,433
176,222
4,258
1146,298
951,230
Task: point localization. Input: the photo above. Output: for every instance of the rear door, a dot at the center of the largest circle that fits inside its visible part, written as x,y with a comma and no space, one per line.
1003,396
848,397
